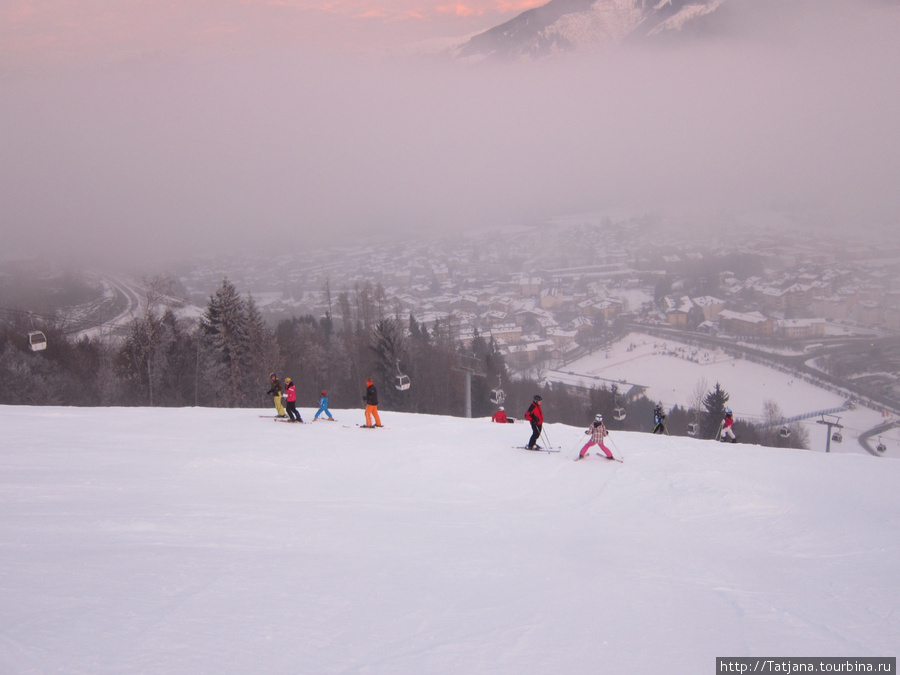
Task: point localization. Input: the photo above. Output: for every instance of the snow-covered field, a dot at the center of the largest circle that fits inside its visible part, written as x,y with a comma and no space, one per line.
672,373
211,541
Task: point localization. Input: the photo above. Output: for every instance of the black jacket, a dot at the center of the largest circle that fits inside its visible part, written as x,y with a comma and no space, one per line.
371,395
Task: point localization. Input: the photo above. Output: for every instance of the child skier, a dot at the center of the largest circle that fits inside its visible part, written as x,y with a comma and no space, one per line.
727,424
290,396
323,407
535,415
598,431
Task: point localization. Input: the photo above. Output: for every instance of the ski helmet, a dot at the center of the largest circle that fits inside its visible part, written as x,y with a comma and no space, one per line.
537,398
727,411
501,407
324,393
272,375
598,417
287,380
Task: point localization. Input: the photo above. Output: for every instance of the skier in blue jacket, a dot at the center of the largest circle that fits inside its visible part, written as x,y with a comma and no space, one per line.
323,407
659,417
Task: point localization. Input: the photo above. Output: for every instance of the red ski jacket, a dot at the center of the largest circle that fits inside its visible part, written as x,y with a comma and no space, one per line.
535,415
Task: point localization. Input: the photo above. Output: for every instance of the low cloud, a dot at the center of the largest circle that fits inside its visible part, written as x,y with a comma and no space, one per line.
277,149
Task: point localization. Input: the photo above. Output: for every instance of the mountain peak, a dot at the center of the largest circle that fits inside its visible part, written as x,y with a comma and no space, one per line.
583,26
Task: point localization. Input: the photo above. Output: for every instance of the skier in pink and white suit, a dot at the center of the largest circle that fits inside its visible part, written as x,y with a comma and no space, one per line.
598,431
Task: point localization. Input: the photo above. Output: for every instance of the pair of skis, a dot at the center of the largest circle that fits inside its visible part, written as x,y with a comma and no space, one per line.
279,418
600,454
538,448
557,449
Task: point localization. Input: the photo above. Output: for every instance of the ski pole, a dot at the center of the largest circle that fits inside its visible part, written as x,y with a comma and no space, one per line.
546,437
617,453
577,443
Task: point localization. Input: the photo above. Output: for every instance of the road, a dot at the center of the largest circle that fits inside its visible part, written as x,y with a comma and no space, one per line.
108,315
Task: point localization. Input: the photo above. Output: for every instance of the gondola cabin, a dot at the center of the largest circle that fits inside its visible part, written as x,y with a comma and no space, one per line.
498,396
881,447
619,414
401,382
37,341
693,429
837,437
784,432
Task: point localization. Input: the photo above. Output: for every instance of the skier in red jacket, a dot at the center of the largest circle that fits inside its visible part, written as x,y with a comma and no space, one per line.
727,424
535,415
290,395
500,416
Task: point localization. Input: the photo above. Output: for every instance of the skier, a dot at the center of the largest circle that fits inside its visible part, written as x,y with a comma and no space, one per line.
597,431
535,415
290,395
275,393
727,424
659,426
323,407
500,416
371,401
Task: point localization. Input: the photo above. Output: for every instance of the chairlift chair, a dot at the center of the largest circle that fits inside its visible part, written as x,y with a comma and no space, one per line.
37,341
498,396
401,381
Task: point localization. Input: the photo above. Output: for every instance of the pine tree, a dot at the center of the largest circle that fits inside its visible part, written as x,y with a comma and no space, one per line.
226,330
714,402
388,347
263,357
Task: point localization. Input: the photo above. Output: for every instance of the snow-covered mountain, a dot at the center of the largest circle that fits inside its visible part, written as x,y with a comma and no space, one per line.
564,26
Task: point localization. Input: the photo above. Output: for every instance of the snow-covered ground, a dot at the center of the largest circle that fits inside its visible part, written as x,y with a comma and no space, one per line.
673,372
212,541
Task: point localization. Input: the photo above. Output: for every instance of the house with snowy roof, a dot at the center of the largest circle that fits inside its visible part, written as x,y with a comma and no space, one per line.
711,306
794,329
752,324
678,315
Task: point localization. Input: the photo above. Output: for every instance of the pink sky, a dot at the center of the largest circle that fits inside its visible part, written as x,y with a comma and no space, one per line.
65,30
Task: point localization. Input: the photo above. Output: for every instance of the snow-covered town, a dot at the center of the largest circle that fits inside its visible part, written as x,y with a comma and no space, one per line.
788,287
787,283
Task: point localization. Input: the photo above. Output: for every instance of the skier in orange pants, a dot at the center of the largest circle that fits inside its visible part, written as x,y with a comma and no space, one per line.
371,400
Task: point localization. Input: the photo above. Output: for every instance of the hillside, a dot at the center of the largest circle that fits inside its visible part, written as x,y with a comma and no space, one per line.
213,541
566,26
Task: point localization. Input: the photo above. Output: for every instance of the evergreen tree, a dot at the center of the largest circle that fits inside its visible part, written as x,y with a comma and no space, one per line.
178,356
388,349
263,357
226,331
714,402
